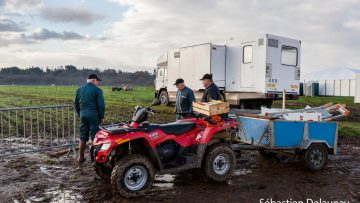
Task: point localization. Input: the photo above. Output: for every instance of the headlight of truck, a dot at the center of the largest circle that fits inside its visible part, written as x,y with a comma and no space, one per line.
105,147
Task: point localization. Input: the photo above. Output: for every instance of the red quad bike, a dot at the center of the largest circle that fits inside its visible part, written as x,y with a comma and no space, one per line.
129,154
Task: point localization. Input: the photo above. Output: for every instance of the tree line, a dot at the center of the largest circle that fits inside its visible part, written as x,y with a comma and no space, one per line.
70,75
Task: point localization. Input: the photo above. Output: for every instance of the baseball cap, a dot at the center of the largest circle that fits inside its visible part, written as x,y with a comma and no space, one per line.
93,76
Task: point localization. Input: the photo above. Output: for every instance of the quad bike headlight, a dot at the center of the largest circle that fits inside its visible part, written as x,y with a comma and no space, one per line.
105,147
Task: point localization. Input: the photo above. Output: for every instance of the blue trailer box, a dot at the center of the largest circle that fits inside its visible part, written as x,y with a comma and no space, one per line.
283,134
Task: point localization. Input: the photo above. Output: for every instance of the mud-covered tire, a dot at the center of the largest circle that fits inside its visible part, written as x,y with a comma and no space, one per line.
102,172
164,98
219,163
315,157
130,166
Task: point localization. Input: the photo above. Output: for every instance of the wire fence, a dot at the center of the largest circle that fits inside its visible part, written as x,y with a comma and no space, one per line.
32,129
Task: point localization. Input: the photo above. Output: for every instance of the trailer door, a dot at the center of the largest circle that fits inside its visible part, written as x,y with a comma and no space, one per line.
247,69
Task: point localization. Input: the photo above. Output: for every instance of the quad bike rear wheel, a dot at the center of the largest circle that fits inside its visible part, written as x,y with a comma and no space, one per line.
219,163
132,176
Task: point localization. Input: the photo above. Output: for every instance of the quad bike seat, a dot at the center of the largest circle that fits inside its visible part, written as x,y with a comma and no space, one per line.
176,128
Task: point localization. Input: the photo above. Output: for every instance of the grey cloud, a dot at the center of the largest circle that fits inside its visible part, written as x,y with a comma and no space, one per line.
7,25
19,40
45,34
328,29
77,15
21,4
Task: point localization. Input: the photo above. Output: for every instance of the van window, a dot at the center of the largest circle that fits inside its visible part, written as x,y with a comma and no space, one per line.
289,56
248,54
160,72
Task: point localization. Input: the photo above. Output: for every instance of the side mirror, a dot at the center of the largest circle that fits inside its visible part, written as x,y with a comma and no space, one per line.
156,102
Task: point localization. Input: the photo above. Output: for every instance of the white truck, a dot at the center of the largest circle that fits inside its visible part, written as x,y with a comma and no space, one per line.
248,73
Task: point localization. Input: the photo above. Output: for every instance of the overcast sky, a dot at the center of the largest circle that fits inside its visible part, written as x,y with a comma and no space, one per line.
132,34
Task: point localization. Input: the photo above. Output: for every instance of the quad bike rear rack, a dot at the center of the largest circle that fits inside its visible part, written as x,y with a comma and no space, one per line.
117,128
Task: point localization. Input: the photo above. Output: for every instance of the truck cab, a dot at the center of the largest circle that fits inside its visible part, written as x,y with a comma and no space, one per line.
161,79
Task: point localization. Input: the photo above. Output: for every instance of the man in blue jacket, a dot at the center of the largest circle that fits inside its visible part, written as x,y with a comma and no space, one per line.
184,98
90,107
211,90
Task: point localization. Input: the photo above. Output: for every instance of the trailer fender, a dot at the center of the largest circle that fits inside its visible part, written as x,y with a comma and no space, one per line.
305,144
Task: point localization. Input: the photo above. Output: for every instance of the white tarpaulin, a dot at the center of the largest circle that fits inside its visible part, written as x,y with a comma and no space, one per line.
332,74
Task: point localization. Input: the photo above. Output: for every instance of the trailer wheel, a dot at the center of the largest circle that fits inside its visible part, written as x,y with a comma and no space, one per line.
315,157
164,98
132,176
219,163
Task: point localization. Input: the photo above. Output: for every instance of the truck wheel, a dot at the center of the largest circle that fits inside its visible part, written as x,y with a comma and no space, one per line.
132,176
315,157
164,98
102,172
219,163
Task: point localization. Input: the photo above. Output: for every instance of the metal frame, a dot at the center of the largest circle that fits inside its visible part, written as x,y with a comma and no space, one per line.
305,143
37,130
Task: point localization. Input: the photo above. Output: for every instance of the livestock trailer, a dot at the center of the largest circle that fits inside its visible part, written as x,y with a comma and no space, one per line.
249,73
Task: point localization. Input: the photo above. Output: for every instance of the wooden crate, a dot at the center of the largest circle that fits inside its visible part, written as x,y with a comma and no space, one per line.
211,108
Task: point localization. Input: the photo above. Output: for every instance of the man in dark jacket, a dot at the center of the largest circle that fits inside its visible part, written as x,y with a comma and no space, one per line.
184,98
211,90
90,107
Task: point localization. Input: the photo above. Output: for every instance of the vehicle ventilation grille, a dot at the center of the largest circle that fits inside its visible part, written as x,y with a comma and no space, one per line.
273,43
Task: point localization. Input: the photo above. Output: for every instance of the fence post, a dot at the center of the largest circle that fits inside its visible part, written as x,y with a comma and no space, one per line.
340,87
74,148
325,88
349,87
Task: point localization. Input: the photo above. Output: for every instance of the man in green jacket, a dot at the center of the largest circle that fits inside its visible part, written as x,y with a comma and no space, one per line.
90,107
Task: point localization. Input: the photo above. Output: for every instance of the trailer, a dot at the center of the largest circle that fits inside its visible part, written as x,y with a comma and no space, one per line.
249,73
312,141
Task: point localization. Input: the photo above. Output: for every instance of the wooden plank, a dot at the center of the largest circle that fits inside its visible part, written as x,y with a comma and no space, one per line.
201,106
211,108
201,111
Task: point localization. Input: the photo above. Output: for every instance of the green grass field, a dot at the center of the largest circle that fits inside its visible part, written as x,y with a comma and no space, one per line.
120,105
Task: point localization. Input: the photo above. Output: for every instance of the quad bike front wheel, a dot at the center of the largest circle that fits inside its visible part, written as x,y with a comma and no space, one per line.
132,176
219,163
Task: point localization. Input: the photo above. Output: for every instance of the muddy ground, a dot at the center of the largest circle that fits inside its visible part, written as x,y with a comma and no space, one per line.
40,178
